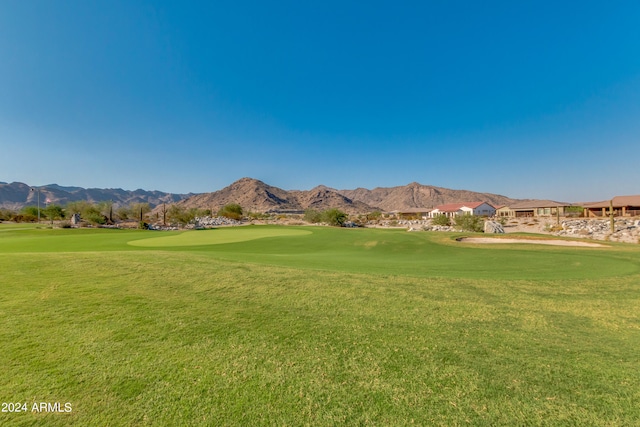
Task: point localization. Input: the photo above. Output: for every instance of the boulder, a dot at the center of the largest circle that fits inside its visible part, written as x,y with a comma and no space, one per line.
493,227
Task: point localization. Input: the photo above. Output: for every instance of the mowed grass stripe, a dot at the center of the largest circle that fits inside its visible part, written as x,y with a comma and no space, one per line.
218,236
384,252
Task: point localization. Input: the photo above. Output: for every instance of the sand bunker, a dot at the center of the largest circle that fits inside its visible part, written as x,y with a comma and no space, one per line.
531,241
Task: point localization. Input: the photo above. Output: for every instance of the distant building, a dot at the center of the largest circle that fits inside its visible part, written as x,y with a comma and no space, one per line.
533,208
472,208
622,206
412,213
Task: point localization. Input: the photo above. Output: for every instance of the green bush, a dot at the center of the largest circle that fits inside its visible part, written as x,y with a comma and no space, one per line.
53,212
95,218
441,219
6,215
334,217
375,215
24,218
181,215
231,211
313,216
139,210
259,215
469,222
574,211
31,211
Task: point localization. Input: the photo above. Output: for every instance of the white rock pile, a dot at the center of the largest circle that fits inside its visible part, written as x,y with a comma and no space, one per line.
432,227
493,227
160,227
215,221
626,229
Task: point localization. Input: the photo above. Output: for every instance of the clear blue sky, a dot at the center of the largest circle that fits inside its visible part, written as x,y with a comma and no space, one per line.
522,98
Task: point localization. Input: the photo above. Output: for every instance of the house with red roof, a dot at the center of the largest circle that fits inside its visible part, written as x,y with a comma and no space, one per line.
472,208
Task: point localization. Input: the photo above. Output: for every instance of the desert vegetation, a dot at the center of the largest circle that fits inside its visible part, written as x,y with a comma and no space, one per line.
231,211
469,222
333,217
441,219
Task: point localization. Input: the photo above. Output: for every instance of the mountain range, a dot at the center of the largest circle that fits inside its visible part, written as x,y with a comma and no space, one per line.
17,195
257,196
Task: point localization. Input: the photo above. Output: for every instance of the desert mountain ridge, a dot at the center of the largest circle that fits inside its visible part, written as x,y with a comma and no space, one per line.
256,196
17,195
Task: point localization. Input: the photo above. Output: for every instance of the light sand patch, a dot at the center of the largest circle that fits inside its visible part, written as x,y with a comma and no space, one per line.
531,241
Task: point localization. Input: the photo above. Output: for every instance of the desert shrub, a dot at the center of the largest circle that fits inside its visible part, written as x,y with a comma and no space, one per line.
553,227
95,218
441,219
574,211
80,207
31,211
6,215
258,215
181,215
123,213
231,211
177,214
334,217
139,210
373,216
65,224
469,222
24,218
502,220
313,216
53,212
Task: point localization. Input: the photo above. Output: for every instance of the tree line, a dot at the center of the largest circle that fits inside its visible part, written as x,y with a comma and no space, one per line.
106,212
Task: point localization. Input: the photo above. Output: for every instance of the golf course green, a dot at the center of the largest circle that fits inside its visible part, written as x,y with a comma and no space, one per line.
274,325
217,237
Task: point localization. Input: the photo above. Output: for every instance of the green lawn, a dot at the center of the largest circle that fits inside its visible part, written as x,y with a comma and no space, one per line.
315,326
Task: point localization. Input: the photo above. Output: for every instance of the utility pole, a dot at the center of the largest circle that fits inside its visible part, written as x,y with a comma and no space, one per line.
38,190
613,224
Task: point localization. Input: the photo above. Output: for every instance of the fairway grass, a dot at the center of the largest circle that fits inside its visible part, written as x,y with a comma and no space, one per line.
217,236
316,326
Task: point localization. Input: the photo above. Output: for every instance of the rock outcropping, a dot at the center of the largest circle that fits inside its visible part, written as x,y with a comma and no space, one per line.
625,229
493,227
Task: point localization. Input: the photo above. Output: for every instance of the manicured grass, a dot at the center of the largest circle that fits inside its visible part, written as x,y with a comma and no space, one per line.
218,237
333,326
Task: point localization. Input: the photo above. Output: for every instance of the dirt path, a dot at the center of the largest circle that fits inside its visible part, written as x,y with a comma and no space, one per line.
531,241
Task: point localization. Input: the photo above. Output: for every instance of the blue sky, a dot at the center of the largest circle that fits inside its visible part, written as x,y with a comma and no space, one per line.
526,99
